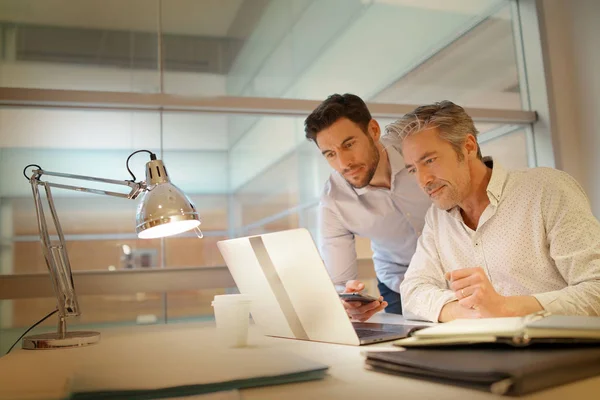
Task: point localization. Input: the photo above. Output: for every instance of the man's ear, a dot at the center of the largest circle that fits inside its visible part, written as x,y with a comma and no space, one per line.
374,130
471,146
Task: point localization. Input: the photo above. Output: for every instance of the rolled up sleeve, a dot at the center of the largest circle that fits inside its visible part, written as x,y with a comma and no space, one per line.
574,241
424,290
337,247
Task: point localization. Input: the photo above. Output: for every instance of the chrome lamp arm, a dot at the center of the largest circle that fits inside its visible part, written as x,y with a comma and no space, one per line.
164,210
55,253
136,187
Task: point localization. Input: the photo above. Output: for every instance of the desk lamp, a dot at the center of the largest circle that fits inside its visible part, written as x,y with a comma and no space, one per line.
163,210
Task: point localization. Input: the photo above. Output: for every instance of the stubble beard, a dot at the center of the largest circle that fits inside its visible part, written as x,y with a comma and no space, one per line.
453,194
371,168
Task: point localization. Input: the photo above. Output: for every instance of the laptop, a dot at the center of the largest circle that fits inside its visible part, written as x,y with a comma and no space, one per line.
292,293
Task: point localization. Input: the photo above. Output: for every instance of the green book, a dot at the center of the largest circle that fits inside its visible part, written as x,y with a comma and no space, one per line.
157,376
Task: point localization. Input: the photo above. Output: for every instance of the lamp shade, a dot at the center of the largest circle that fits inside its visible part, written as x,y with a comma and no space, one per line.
163,210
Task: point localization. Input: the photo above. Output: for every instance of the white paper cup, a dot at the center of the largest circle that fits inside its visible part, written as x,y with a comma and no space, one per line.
232,313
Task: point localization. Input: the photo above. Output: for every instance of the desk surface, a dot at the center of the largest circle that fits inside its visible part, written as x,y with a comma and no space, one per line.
29,374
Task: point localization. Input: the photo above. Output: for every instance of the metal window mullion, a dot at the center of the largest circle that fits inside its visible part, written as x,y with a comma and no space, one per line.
523,81
498,133
274,217
530,42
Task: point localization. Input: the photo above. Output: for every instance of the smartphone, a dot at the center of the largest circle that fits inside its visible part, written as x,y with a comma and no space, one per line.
360,297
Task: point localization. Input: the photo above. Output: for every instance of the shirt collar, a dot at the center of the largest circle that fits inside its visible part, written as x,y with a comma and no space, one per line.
496,184
494,188
396,165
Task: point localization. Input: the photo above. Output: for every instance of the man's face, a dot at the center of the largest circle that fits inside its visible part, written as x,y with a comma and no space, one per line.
350,151
436,165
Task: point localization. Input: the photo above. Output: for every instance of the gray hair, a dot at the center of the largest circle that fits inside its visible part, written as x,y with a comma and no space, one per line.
453,122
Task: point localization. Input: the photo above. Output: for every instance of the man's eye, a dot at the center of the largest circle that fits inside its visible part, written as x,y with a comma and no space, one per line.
329,155
411,171
348,145
429,160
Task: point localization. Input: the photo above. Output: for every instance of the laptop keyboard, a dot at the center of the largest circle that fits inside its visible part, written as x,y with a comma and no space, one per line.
365,333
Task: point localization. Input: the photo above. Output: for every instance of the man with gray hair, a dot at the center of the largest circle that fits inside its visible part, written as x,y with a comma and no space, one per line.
497,243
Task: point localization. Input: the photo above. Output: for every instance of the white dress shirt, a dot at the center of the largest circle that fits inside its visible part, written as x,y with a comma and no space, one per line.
392,218
537,237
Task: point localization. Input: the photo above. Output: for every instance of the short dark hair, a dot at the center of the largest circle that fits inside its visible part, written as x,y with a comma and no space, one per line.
335,107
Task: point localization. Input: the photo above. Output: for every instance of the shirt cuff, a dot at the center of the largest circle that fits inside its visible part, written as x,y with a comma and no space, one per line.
548,301
339,287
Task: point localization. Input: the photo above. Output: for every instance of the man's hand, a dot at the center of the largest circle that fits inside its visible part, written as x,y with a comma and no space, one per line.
474,291
360,311
477,298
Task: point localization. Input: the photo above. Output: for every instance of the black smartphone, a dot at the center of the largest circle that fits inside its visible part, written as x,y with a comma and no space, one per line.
363,298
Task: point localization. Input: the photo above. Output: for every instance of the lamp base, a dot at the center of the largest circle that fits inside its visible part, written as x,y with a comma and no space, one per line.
55,340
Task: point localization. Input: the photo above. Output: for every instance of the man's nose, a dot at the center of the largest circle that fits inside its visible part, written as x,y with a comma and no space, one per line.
344,160
424,177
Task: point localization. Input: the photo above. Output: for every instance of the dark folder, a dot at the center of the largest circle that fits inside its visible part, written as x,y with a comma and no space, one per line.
500,370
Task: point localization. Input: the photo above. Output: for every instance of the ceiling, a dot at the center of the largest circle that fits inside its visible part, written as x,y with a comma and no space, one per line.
189,17
479,69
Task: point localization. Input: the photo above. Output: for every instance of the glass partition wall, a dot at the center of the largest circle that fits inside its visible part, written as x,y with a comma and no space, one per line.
244,161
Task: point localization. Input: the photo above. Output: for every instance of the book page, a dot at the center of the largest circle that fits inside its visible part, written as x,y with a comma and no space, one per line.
564,326
473,327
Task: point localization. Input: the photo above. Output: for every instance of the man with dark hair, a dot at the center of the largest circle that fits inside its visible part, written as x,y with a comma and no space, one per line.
370,194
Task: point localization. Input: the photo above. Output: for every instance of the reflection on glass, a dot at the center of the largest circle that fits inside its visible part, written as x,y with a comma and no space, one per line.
469,71
90,254
111,309
189,252
191,305
108,310
46,47
510,150
442,51
246,173
288,49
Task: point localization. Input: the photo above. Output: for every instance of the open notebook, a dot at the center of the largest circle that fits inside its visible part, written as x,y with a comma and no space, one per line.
518,331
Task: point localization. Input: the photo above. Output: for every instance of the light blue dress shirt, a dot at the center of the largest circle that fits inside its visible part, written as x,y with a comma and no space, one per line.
391,218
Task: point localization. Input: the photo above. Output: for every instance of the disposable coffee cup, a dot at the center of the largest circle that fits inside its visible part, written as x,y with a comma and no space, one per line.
232,312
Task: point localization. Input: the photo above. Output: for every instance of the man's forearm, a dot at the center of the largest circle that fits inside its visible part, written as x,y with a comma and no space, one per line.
514,306
517,306
453,310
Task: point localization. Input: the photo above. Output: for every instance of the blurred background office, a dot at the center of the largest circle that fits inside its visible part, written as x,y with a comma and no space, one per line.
242,157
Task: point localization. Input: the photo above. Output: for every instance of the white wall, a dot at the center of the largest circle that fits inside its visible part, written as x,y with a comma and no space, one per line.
572,31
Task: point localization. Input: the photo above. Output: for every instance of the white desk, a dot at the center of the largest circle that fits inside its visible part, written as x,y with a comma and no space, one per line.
30,373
